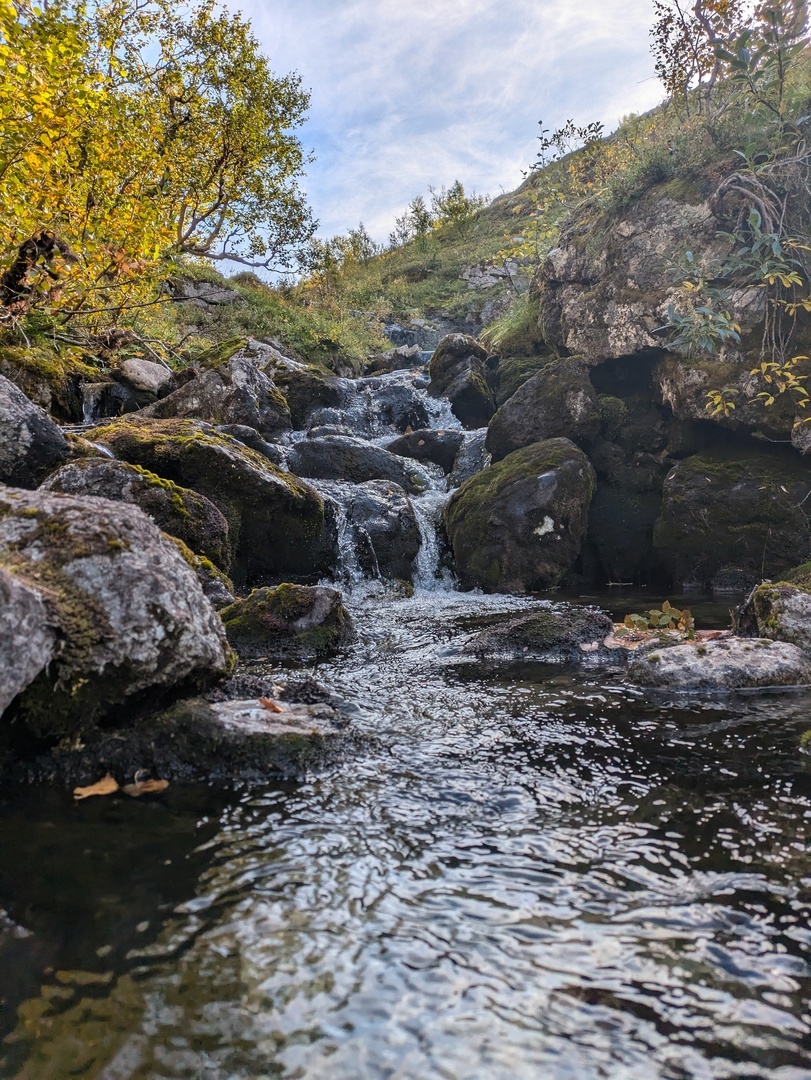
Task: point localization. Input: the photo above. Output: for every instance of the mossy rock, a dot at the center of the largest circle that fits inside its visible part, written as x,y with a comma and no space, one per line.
306,389
517,526
733,507
278,525
176,510
458,373
514,371
287,622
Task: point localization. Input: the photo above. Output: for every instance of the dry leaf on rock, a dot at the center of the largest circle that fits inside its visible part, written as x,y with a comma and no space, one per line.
145,787
269,704
106,786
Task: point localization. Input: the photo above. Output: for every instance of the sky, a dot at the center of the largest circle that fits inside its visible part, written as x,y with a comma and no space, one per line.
408,94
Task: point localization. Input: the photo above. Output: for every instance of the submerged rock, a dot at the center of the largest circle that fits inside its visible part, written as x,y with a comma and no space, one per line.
183,513
458,373
517,526
31,444
277,523
730,664
341,457
288,621
558,401
196,740
128,613
559,633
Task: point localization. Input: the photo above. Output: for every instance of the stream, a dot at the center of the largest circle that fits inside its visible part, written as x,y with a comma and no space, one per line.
528,872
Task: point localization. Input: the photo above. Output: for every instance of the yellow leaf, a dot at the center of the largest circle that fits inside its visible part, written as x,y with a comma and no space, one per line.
145,787
106,786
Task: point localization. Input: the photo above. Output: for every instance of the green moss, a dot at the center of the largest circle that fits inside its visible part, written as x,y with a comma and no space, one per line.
613,415
281,622
513,372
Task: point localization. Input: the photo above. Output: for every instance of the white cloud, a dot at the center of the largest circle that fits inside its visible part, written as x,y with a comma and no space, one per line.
412,93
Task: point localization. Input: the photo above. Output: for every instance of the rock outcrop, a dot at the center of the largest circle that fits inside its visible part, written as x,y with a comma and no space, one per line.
730,664
517,526
342,457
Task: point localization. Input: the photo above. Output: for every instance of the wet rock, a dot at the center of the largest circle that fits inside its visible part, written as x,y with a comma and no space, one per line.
518,525
396,404
340,457
305,388
400,359
558,401
440,447
287,622
471,459
458,373
233,392
31,444
196,740
216,585
112,398
251,438
28,641
145,375
554,633
733,508
183,513
386,527
128,613
278,526
729,664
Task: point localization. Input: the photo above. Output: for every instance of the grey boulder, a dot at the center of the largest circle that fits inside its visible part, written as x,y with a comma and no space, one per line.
728,664
31,444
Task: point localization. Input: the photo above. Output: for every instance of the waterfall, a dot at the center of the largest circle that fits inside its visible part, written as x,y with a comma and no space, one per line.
429,574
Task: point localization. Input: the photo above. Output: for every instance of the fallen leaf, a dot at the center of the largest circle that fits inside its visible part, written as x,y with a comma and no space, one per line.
106,786
269,704
145,787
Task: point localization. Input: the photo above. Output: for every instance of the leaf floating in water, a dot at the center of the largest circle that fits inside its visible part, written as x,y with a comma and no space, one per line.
269,704
145,787
106,786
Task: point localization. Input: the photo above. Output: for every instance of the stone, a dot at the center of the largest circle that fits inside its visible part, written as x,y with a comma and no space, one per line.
305,388
277,524
551,633
780,611
736,508
400,359
517,526
235,391
28,641
558,401
210,742
458,373
142,374
440,447
287,622
203,294
725,665
387,533
250,437
129,614
341,457
31,444
183,513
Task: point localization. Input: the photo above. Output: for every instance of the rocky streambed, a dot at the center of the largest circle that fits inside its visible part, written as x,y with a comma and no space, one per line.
408,830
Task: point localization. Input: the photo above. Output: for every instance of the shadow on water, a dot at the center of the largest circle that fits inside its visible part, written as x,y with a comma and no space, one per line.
535,874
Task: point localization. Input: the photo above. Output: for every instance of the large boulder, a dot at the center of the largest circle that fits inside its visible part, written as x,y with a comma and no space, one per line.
145,375
287,622
458,373
733,510
780,610
440,447
342,457
305,388
183,513
128,613
517,526
235,391
31,444
725,665
278,525
558,401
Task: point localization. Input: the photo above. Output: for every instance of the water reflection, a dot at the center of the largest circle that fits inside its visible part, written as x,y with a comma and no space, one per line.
533,875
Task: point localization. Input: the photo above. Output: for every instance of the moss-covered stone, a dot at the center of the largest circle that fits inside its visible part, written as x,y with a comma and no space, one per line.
518,525
514,371
458,373
176,510
733,508
277,523
289,621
